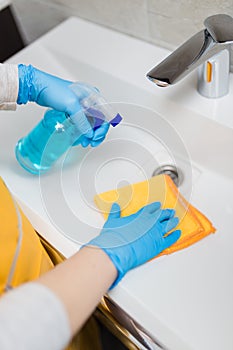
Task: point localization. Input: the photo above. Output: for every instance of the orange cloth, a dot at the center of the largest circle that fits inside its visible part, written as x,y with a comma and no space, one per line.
193,224
32,260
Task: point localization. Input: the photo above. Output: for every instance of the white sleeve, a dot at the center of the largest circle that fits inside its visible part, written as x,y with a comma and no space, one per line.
32,317
9,86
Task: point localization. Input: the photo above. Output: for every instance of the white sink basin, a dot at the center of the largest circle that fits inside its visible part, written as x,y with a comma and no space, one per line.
184,300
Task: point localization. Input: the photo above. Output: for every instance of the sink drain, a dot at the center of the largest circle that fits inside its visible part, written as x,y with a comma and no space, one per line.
171,170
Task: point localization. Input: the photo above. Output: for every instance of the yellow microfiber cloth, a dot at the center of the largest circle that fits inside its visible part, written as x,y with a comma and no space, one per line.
193,224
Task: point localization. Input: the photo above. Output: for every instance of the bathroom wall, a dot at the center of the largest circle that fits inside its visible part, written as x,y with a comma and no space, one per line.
164,22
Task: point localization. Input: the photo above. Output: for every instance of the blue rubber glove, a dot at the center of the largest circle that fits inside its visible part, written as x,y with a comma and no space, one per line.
132,240
98,137
50,91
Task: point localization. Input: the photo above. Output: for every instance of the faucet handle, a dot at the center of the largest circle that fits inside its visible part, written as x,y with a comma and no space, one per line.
220,28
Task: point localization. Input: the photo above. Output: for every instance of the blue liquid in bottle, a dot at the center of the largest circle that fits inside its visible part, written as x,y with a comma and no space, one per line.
56,132
50,138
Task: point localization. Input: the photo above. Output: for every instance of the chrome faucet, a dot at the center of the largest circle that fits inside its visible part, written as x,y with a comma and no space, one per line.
209,50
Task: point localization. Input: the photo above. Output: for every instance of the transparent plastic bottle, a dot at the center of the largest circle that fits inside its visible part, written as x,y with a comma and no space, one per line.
57,131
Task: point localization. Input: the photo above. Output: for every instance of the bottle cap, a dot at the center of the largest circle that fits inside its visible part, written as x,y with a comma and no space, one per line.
95,106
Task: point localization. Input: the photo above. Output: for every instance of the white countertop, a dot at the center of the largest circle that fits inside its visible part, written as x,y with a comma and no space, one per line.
184,300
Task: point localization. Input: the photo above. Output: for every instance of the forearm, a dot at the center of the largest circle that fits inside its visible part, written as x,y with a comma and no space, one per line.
80,282
9,85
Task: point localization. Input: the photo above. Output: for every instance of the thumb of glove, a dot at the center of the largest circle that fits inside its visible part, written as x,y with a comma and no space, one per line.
115,212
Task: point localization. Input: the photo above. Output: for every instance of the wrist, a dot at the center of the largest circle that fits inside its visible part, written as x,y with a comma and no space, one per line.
26,74
117,263
112,246
102,262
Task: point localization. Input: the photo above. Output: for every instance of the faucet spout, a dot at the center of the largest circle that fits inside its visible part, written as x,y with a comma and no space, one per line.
182,61
201,48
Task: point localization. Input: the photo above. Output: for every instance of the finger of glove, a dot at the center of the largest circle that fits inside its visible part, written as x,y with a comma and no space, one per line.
165,214
80,141
100,132
171,238
151,208
97,143
82,124
169,224
147,213
115,212
85,141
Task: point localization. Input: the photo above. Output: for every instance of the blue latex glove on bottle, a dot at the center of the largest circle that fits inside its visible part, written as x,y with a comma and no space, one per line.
132,240
50,91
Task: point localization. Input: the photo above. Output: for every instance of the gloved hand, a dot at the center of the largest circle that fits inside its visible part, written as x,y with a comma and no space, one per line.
132,240
50,91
